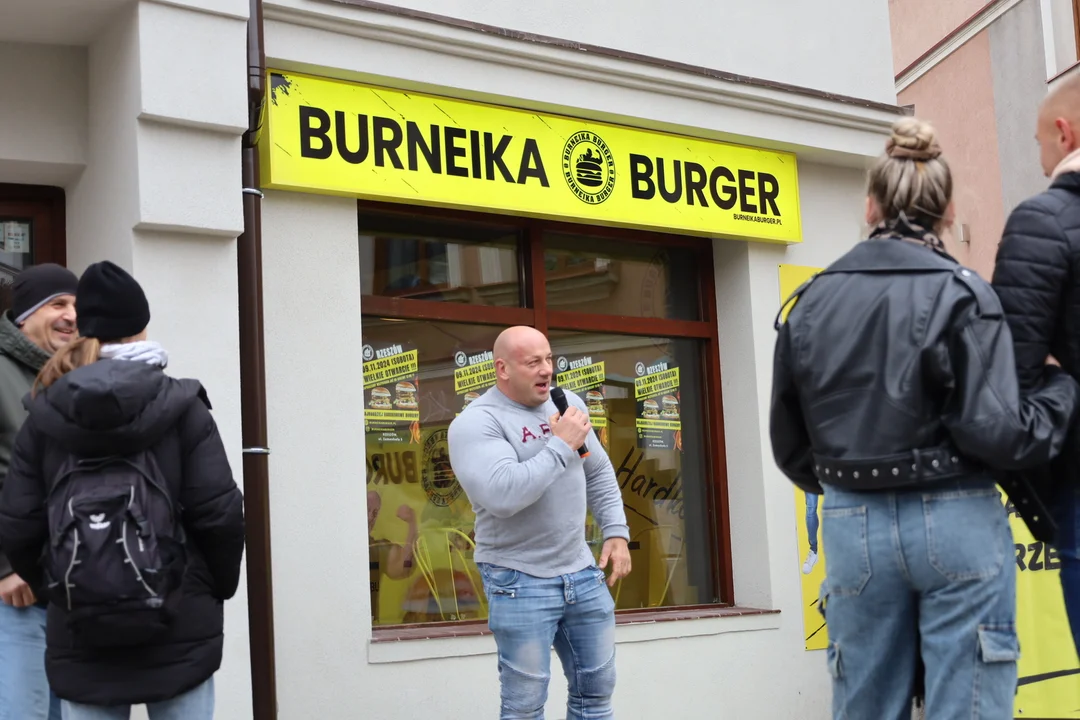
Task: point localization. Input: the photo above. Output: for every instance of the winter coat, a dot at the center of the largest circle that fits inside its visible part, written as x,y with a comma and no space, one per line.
118,407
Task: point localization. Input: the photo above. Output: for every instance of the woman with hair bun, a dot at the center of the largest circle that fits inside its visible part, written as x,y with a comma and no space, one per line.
895,395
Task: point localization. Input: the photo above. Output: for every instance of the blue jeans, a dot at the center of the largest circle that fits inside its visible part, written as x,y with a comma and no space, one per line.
195,704
24,689
528,615
1067,514
811,520
920,572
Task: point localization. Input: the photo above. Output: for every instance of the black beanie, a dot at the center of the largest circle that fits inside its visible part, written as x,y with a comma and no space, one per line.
110,304
37,285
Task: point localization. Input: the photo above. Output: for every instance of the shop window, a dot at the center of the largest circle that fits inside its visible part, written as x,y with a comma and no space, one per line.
416,259
595,275
651,386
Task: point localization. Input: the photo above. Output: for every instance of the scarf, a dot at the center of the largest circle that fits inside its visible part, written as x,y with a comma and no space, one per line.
1070,163
906,229
144,351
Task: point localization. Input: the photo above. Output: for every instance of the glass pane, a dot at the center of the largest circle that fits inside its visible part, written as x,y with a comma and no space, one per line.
439,260
613,277
655,436
417,377
16,246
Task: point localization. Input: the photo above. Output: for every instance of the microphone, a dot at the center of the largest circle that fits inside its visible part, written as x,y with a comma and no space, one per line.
559,398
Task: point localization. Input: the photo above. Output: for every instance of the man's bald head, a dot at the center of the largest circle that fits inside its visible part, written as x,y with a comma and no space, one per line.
523,365
1058,129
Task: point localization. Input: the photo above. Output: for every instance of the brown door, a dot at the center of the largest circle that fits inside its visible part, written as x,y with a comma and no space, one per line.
32,230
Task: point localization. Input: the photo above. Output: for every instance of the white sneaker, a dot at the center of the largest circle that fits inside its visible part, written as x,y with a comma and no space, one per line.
811,561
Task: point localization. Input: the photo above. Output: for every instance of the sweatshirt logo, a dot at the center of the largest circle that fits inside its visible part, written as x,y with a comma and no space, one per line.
527,434
98,522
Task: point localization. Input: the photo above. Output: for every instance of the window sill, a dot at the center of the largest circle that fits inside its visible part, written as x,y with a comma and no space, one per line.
429,642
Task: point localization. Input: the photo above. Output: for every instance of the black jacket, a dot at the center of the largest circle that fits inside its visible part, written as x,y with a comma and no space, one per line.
1037,277
120,407
895,369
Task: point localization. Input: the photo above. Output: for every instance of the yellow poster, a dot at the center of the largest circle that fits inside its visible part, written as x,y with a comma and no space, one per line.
1049,684
343,138
807,516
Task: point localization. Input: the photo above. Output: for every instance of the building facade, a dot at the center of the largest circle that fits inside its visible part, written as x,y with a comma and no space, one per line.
418,177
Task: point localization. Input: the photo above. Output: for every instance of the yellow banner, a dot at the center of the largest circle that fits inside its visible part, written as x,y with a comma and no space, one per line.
474,376
578,379
656,384
342,138
1048,667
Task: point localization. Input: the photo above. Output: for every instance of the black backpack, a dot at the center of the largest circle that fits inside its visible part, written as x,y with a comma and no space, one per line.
115,559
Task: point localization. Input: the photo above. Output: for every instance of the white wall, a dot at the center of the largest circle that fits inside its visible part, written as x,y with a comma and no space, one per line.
841,46
161,196
43,113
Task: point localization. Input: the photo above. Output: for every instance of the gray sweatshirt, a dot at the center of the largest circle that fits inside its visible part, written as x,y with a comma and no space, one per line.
529,489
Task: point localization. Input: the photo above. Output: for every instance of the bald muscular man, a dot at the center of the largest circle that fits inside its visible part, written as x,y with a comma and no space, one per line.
517,460
1037,276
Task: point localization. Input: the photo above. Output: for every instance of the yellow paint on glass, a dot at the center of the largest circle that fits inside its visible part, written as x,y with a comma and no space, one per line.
342,138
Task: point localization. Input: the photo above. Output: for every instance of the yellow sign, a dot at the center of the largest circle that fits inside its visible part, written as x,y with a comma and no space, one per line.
1048,667
342,138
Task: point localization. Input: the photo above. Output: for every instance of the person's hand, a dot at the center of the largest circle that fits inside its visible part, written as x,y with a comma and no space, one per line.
406,514
572,427
15,592
618,551
1051,360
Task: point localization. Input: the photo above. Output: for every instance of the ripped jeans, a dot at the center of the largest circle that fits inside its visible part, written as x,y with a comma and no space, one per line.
928,572
527,615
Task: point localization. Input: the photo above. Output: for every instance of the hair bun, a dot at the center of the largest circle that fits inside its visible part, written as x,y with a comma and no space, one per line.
913,139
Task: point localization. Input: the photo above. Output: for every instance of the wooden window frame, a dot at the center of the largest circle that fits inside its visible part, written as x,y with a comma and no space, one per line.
534,312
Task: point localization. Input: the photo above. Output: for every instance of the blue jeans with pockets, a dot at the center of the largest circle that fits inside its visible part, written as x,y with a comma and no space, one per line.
576,614
928,572
24,689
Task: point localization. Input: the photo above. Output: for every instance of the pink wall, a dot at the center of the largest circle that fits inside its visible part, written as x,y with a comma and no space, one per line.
957,96
917,25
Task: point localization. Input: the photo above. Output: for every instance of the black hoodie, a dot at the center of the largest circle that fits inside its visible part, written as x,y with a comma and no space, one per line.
121,407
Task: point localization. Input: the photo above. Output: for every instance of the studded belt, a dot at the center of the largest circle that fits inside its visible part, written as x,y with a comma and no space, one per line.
916,467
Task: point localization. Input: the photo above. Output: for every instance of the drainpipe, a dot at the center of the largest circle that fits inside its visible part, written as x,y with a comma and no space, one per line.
260,595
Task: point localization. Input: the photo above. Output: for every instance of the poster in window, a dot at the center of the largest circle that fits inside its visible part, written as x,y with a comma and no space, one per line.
473,375
585,378
656,389
15,237
391,393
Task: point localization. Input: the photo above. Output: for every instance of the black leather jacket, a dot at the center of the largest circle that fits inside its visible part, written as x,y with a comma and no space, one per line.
895,370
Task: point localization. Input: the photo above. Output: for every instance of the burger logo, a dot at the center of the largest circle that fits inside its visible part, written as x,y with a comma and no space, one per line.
380,399
589,167
670,408
594,401
406,396
469,397
650,410
438,479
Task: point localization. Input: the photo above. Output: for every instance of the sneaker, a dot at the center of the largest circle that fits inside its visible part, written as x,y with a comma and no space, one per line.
811,561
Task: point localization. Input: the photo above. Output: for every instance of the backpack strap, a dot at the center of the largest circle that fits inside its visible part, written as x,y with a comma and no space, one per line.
986,298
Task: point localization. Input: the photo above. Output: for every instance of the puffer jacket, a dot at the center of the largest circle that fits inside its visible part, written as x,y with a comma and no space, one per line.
1037,277
895,370
118,407
20,362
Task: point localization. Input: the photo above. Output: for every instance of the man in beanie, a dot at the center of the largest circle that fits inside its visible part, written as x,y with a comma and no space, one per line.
106,395
40,322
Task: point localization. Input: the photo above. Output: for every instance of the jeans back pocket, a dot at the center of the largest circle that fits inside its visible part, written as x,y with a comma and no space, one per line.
847,551
965,533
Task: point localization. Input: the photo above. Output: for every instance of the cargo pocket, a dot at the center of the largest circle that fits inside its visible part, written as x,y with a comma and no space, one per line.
995,671
998,644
